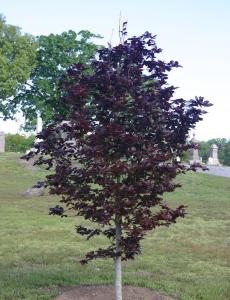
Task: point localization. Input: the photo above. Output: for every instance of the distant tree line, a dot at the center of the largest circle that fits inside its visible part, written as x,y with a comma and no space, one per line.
223,150
21,143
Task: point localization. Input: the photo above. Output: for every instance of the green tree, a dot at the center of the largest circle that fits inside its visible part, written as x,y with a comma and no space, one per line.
204,149
17,58
55,53
226,160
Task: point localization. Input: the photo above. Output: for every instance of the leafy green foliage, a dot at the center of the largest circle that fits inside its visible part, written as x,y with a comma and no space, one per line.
204,149
18,143
55,53
17,59
226,160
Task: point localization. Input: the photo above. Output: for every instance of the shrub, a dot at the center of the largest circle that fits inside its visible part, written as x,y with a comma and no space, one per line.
18,143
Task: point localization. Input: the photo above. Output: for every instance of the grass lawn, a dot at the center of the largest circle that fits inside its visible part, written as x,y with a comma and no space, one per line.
39,253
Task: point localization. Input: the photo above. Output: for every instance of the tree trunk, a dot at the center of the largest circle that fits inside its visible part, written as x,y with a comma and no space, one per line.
118,284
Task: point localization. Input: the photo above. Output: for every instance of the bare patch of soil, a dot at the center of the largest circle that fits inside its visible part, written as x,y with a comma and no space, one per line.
103,292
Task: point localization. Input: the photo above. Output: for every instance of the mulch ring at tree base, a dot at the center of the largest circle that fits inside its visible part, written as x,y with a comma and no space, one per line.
101,292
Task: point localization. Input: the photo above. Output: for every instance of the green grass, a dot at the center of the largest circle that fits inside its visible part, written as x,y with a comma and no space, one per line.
39,253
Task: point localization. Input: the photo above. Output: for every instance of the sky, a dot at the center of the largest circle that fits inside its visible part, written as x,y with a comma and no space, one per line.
194,32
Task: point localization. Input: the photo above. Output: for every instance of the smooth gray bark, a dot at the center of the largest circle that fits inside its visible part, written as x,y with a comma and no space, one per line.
118,274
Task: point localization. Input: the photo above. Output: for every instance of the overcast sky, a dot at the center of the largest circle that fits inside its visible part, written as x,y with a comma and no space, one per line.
194,32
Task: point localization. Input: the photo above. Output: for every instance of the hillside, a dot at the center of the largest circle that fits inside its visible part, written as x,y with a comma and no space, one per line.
40,253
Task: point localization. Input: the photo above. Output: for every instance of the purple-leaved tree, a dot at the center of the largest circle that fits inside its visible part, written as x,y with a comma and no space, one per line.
117,153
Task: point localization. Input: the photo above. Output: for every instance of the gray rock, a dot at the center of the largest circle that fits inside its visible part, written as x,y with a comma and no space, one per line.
34,192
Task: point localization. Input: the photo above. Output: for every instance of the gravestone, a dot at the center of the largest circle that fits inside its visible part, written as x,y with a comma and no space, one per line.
34,192
39,123
2,141
38,126
194,157
213,156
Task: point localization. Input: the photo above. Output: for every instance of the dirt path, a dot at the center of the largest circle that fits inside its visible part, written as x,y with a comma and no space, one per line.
101,292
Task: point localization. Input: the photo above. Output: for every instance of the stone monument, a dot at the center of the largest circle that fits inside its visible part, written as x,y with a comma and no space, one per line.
194,157
34,192
2,141
213,156
38,126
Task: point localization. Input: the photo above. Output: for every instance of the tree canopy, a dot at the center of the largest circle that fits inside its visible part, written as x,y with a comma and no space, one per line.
55,53
17,59
116,155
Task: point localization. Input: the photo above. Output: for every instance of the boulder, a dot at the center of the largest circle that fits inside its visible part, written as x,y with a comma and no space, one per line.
34,192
